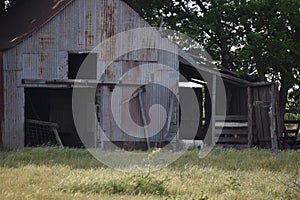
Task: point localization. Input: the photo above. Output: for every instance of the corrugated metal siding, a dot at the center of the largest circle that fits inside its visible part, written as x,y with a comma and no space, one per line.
13,135
80,27
74,29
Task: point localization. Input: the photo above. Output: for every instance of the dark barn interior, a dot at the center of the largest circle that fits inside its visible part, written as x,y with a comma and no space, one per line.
54,106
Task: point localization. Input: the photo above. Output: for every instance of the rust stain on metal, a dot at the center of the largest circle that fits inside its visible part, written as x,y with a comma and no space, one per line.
110,74
109,28
89,33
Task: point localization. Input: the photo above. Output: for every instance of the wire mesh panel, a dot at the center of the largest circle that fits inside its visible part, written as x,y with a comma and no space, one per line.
39,133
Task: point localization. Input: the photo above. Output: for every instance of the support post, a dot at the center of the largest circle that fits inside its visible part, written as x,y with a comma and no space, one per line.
213,109
273,120
170,114
144,118
58,140
1,99
250,119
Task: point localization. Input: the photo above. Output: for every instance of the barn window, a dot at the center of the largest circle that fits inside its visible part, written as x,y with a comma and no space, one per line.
86,61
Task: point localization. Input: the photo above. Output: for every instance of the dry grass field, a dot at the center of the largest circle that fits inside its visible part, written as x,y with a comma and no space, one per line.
52,173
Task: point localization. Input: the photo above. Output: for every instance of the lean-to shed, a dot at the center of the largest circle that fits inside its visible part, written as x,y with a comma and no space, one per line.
44,46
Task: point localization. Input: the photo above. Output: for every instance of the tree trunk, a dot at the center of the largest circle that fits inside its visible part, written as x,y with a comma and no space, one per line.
283,93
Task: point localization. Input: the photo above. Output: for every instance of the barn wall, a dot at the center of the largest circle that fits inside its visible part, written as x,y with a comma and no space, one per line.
13,134
79,27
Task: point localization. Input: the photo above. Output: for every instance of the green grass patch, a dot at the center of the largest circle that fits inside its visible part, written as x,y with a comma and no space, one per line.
51,156
53,173
137,184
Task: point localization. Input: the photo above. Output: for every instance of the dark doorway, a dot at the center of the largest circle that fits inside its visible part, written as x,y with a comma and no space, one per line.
86,61
190,74
51,105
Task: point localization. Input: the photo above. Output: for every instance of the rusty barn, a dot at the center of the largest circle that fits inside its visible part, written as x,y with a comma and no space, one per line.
40,57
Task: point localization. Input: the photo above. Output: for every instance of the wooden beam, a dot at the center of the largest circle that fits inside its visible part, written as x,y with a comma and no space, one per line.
235,118
273,120
213,109
144,118
231,124
232,140
1,98
250,118
43,123
58,140
234,131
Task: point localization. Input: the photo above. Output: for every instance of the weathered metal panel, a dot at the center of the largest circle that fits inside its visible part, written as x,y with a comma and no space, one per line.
130,20
72,26
48,43
31,63
108,28
13,135
90,28
10,59
62,62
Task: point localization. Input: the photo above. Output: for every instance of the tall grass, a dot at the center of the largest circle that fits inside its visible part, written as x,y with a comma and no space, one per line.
53,173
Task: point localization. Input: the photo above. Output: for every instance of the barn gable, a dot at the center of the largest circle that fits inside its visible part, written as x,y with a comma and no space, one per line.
42,51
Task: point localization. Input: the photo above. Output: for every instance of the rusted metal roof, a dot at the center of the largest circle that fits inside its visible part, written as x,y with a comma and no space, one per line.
25,18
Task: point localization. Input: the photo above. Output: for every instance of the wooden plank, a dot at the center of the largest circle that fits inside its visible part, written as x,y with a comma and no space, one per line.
250,120
264,109
278,116
144,118
236,118
52,124
232,140
235,131
58,140
260,84
213,109
231,124
273,120
258,121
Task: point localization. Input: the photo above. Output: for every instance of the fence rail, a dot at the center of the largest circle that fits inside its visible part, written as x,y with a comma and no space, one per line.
41,133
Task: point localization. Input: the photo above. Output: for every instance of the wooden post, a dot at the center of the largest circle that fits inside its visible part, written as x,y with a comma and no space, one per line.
1,99
213,109
250,119
58,140
144,118
273,120
278,115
